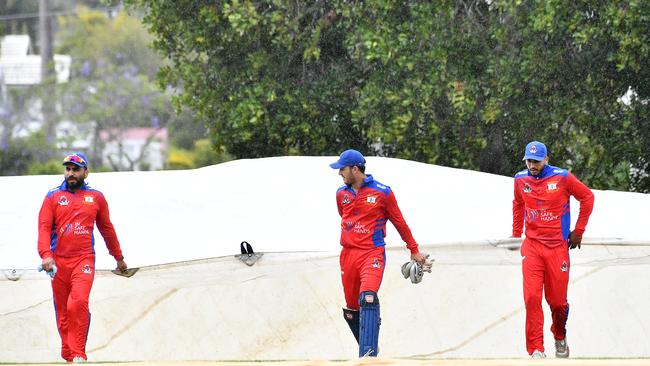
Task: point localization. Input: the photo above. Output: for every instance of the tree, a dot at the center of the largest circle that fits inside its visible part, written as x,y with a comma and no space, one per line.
21,142
272,78
112,87
459,83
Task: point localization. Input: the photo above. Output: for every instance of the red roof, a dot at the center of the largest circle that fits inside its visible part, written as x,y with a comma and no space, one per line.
136,133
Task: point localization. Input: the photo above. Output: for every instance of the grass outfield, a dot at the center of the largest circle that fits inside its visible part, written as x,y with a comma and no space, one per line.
389,362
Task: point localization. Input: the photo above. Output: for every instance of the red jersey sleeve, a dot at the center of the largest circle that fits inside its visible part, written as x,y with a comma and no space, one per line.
338,205
517,213
107,230
45,223
585,196
395,216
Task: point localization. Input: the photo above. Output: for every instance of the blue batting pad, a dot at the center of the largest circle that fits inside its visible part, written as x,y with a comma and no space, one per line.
369,324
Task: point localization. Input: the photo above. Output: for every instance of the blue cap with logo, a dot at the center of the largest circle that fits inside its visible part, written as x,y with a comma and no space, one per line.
535,150
349,158
77,159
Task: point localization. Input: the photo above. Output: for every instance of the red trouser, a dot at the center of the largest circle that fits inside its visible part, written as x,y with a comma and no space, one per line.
548,268
361,270
71,288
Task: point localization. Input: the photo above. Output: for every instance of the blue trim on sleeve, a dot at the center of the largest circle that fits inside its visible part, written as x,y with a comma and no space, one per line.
370,182
565,220
378,237
523,173
550,170
379,233
54,190
380,228
347,189
53,240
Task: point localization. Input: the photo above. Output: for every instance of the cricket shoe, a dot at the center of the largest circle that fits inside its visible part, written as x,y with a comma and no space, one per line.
538,354
78,359
561,348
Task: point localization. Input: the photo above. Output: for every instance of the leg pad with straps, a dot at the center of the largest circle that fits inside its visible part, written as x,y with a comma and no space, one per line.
369,322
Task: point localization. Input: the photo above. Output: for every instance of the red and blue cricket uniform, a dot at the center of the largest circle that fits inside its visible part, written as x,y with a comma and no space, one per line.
542,202
363,227
65,233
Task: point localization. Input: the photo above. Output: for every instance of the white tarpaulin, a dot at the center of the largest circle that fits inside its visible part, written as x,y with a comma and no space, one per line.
286,204
287,306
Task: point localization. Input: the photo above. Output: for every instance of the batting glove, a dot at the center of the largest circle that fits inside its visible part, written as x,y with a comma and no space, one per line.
49,273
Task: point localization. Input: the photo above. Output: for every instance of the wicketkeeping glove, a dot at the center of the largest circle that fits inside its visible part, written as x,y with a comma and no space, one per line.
415,271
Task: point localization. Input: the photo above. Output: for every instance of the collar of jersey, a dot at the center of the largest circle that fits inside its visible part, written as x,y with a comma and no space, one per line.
366,181
369,179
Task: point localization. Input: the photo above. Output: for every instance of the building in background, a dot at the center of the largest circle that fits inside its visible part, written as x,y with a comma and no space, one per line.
138,148
19,67
125,149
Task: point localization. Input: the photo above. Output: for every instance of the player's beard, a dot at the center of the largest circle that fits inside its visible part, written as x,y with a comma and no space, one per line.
348,181
75,184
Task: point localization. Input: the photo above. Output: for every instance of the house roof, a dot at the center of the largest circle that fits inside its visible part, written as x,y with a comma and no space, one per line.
136,133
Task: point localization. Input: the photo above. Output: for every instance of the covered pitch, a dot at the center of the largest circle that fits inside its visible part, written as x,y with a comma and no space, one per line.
193,300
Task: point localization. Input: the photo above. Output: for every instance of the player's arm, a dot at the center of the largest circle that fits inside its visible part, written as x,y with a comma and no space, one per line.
338,205
107,230
585,196
394,214
517,213
45,224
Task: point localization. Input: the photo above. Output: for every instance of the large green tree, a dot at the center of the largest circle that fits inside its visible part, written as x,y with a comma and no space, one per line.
463,83
272,78
558,76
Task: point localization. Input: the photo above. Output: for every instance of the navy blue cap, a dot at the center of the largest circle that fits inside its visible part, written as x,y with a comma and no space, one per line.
535,150
349,158
76,158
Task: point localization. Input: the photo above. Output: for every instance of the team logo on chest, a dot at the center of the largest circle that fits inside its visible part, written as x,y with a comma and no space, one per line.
346,199
89,200
371,199
527,188
63,201
551,186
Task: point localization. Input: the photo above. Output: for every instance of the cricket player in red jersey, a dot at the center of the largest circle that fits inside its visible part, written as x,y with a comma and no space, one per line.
541,200
66,246
365,206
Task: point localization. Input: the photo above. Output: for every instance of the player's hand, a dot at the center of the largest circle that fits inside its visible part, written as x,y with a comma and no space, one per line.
574,240
121,266
419,258
48,264
426,263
